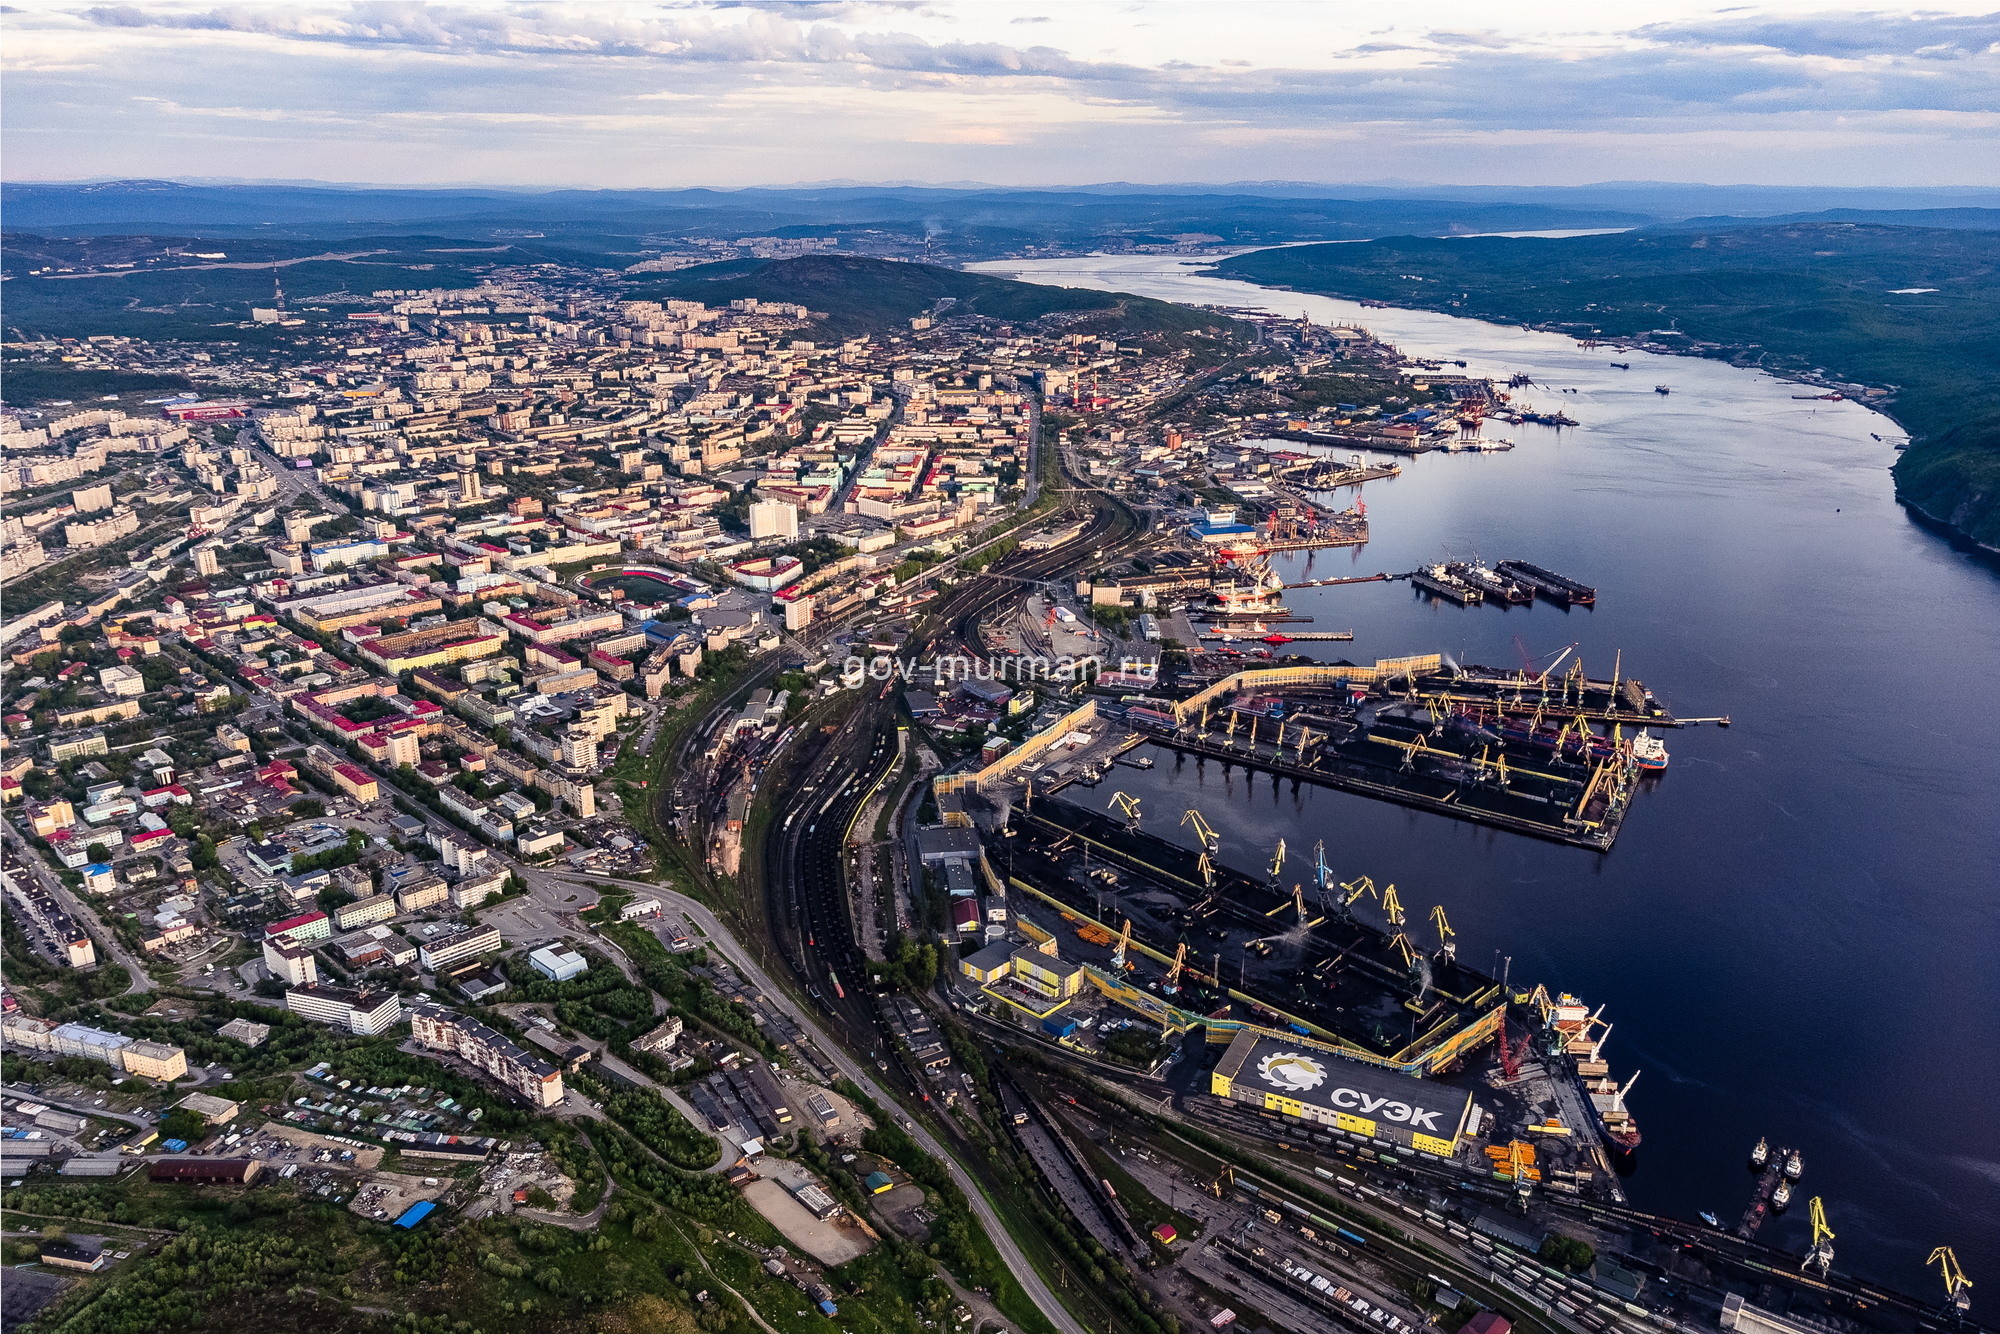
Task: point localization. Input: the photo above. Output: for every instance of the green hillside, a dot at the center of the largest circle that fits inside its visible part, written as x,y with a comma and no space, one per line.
862,295
1797,297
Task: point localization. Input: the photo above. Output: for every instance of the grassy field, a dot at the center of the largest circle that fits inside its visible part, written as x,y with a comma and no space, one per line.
1913,308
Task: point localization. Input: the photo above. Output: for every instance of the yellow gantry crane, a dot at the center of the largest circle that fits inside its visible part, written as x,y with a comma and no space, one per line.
1392,908
1957,1287
1821,1253
1355,889
1447,938
1210,840
1128,807
1118,951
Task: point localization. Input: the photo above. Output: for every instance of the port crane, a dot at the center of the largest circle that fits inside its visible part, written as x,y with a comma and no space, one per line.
1128,807
1278,864
1118,951
1355,889
1322,873
1821,1253
1957,1287
1173,982
1207,869
1447,938
1392,908
1210,840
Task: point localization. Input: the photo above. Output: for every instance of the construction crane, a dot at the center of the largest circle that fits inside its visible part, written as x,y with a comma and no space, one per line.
1957,1287
1821,1253
1128,807
1277,863
1226,1177
1210,840
1118,951
1447,942
1173,982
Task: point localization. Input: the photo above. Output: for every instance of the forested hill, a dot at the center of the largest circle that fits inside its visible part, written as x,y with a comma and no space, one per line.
1913,309
860,295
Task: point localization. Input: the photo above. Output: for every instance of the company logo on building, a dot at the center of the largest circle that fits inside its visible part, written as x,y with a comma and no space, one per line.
1292,1071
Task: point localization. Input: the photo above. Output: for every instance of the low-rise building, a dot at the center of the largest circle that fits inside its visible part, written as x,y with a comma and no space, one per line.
661,1038
245,1032
558,963
361,912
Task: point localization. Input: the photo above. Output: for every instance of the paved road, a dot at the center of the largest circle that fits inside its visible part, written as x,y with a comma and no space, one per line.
1017,1263
77,910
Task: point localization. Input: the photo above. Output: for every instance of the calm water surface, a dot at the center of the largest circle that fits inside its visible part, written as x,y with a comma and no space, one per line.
1797,934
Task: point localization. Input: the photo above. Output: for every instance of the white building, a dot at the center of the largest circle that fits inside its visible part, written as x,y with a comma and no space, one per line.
122,681
291,964
558,963
774,518
366,1013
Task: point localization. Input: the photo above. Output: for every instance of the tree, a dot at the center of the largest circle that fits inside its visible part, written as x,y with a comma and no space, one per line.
97,852
183,1124
1571,1253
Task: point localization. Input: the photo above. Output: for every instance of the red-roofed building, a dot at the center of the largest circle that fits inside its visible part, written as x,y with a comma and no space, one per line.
306,926
152,839
173,794
10,790
356,782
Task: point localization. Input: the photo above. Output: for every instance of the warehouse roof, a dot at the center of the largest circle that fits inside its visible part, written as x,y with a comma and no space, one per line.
1307,1074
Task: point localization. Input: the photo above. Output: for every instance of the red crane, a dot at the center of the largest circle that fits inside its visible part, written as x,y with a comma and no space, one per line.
1510,1057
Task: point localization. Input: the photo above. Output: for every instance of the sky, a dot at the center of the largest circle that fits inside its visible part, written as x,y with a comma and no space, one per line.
1014,92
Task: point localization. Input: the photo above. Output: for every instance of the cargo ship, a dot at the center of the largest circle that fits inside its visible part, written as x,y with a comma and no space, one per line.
1437,579
1492,583
1576,1029
1556,587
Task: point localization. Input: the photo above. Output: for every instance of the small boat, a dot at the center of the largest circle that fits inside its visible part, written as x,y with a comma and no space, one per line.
1782,1196
1626,366
1649,752
1661,389
1761,1154
1706,1216
1794,1166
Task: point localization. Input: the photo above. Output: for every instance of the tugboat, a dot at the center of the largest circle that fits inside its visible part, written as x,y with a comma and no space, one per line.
1794,1167
1661,389
1706,1216
1781,1197
1761,1154
1648,751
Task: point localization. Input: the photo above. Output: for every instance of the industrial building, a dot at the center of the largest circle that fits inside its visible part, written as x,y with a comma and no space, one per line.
205,1171
1364,1102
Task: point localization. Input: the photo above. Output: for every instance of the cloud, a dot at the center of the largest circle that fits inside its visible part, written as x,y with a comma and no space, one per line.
844,88
1843,35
